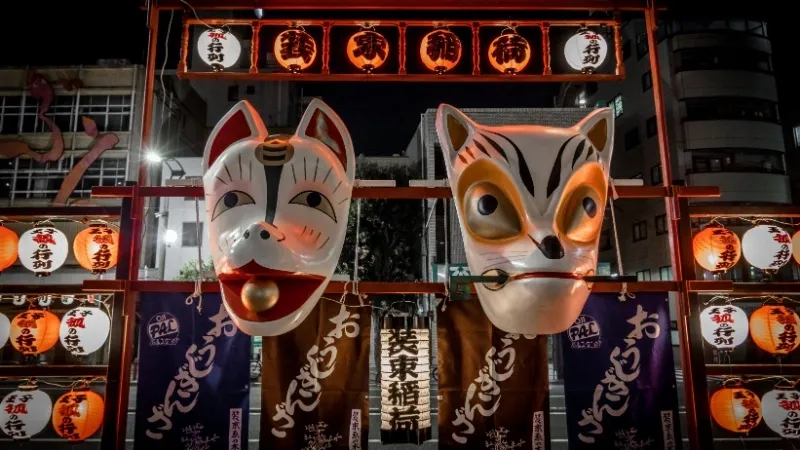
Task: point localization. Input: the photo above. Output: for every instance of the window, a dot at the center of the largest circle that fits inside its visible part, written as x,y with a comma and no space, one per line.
233,93
661,224
605,240
643,275
20,114
722,58
639,231
23,178
110,112
626,49
632,138
738,160
655,175
10,109
731,108
796,135
199,182
189,234
647,81
616,105
641,46
250,90
651,126
665,273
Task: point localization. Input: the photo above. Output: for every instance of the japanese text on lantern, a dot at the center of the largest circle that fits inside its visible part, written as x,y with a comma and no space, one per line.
42,256
103,237
591,53
625,368
72,342
728,257
215,47
26,339
442,45
790,402
723,334
788,337
510,47
781,237
404,390
297,44
369,46
14,406
68,407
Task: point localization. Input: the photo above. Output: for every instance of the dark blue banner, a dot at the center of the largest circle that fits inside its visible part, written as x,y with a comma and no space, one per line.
619,375
194,367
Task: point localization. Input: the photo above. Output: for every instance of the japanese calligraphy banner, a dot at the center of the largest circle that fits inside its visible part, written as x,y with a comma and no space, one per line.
194,370
315,381
493,385
619,376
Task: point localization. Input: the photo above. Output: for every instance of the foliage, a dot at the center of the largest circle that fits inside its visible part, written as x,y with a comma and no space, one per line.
189,271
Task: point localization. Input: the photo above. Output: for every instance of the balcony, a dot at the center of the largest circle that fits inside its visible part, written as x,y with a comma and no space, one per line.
744,186
725,83
708,134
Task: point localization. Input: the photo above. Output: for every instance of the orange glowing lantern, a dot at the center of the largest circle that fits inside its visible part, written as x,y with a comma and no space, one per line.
774,329
509,53
440,50
9,242
96,248
367,50
295,50
735,409
717,249
34,332
795,247
77,415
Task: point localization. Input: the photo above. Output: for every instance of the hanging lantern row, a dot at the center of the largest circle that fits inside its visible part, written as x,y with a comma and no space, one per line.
76,415
440,50
773,328
43,249
82,331
740,410
767,247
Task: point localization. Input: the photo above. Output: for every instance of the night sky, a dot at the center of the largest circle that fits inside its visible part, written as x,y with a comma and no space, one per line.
381,116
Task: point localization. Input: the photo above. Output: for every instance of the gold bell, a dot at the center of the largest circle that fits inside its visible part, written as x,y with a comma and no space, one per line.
260,294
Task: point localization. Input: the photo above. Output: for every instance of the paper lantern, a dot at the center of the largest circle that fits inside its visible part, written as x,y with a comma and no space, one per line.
77,415
716,249
84,330
586,50
781,411
9,243
796,246
367,50
5,329
724,327
405,380
544,292
272,268
218,48
735,409
43,250
509,53
295,50
25,412
34,332
440,50
96,248
774,329
767,247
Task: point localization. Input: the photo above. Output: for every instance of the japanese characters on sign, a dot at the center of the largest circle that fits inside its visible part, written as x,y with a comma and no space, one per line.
84,330
25,412
440,50
767,247
96,248
586,51
367,50
43,250
773,328
295,50
405,379
218,48
509,53
235,429
724,326
34,332
77,415
780,409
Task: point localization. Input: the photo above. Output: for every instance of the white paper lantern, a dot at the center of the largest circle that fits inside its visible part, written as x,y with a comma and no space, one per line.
724,326
218,48
43,250
25,412
780,409
84,330
767,247
5,329
586,50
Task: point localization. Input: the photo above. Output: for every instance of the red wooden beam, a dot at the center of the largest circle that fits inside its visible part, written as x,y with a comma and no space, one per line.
389,77
710,211
411,5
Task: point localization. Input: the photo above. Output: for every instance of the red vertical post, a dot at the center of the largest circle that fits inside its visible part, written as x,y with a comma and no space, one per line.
547,70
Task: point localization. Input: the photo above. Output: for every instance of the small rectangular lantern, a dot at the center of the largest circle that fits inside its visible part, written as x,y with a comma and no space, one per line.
405,380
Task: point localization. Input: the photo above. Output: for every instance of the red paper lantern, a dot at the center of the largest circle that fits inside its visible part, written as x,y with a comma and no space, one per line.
96,248
34,332
9,242
367,50
735,409
509,53
77,415
295,50
440,50
716,249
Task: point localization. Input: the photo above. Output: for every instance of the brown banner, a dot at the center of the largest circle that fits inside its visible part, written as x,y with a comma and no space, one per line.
493,385
315,381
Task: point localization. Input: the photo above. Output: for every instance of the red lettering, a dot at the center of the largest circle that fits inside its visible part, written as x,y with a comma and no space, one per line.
26,323
790,405
44,239
20,408
782,238
591,36
214,35
722,318
76,322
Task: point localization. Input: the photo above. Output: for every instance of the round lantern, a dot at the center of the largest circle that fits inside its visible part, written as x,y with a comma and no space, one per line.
796,246
5,329
781,410
96,248
586,50
25,412
34,331
9,243
774,329
43,250
295,50
509,53
767,247
440,50
218,48
724,326
84,330
367,50
735,409
77,415
716,249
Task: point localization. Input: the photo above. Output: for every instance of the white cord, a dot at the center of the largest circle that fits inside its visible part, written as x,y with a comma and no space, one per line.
624,294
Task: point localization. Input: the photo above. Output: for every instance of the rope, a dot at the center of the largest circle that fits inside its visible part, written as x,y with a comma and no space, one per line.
198,283
624,295
357,253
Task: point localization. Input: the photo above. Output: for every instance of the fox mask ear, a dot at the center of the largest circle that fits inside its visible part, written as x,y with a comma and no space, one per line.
240,123
322,124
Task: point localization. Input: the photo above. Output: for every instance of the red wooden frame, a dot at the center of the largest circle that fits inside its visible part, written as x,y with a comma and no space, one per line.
410,5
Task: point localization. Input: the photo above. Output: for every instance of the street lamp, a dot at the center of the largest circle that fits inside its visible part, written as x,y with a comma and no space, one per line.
170,236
